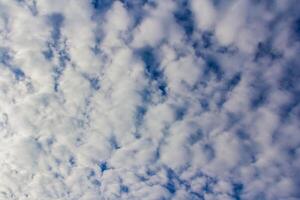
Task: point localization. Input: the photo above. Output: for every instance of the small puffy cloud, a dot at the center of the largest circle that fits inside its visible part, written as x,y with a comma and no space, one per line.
155,26
229,26
205,13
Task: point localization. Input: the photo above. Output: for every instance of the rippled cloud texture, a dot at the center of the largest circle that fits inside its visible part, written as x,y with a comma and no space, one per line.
145,99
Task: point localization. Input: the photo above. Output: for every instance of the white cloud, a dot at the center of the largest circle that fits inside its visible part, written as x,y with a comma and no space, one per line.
155,27
204,13
229,26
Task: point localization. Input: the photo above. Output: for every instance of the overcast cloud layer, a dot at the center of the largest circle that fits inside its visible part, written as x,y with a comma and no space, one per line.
149,100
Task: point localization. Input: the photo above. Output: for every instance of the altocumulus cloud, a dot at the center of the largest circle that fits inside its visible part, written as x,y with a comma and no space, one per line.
146,99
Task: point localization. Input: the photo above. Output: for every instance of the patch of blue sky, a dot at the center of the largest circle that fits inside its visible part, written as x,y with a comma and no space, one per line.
204,104
150,172
96,47
209,151
103,166
48,53
57,46
196,196
30,5
19,74
180,112
92,177
242,134
174,182
213,68
152,68
95,83
93,80
64,56
234,81
202,44
291,109
296,28
124,189
184,17
5,59
196,136
259,98
151,63
260,92
209,185
237,191
229,84
101,6
265,49
229,50
56,75
233,118
206,39
290,77
56,21
139,118
72,161
136,9
170,185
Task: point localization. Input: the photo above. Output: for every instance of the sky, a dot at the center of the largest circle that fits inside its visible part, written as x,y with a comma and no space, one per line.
149,100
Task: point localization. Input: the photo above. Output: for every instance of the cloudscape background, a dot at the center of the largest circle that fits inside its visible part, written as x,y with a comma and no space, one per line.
149,100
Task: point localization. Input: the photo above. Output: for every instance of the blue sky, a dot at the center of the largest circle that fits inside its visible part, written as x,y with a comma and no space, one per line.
146,99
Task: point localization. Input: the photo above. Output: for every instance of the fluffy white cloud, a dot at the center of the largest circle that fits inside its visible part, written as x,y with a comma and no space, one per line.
205,13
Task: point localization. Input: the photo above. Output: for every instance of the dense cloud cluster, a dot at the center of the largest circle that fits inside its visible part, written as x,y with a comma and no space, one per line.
146,99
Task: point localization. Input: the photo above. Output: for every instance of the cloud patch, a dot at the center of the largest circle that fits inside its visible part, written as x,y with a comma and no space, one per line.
190,99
